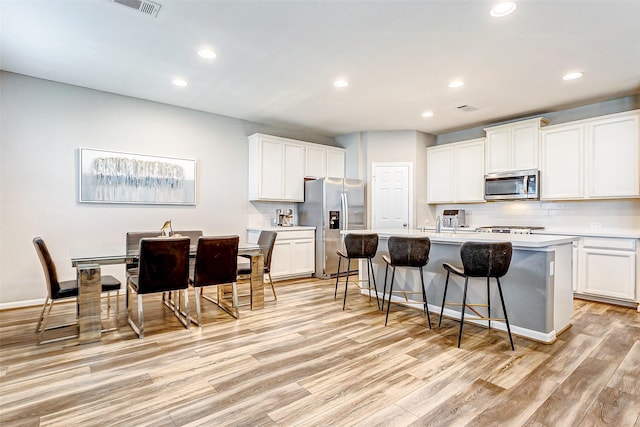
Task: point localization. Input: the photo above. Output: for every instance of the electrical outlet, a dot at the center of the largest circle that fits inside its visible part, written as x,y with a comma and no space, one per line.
595,224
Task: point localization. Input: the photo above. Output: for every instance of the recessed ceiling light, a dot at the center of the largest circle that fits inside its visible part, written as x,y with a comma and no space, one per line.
503,9
207,53
341,83
179,82
572,76
427,114
456,83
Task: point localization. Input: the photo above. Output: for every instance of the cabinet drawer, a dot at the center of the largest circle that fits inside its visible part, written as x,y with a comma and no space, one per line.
609,243
295,234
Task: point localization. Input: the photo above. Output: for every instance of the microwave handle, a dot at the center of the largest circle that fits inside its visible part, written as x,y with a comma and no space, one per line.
525,185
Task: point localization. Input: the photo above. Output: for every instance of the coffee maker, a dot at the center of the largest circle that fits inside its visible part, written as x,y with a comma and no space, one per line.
284,217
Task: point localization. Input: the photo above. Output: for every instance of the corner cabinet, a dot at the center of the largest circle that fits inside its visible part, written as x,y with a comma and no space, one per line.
293,252
592,159
455,172
513,146
276,169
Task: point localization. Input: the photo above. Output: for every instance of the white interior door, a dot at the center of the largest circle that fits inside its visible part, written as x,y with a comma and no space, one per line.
391,195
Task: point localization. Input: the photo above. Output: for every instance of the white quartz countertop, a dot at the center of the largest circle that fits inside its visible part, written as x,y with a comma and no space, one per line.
517,240
280,229
592,232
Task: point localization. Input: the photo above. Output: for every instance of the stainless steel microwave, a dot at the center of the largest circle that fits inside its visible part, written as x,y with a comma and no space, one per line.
515,185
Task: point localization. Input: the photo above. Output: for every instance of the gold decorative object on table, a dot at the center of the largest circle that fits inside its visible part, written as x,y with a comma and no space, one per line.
166,229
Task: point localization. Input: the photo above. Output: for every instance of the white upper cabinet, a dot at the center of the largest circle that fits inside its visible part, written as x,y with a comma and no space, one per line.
455,172
513,146
276,169
591,159
322,161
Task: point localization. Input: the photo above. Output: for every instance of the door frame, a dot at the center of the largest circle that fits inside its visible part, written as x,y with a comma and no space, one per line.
410,177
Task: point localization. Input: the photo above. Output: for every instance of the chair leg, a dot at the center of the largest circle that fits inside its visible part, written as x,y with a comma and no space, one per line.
464,305
506,318
488,303
198,292
234,297
346,283
424,295
186,307
273,289
444,297
384,289
44,306
393,276
369,277
335,294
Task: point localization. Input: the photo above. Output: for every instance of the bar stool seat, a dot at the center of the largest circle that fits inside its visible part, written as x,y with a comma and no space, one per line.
480,259
408,252
358,246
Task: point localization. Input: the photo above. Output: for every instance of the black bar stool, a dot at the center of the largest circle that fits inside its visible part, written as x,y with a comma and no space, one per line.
412,252
358,246
480,259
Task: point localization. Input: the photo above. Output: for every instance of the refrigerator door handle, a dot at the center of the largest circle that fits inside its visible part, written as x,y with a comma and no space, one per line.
345,211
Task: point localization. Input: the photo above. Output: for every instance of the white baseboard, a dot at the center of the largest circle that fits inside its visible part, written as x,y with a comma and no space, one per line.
21,304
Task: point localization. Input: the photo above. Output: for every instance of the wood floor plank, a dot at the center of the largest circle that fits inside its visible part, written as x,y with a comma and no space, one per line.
302,360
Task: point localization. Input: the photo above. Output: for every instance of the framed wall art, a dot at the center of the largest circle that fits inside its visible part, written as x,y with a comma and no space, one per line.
113,177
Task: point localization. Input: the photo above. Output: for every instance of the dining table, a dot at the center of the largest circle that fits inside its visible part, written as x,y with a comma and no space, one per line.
87,262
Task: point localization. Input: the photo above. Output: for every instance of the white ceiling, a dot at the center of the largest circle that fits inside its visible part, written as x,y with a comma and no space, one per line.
277,59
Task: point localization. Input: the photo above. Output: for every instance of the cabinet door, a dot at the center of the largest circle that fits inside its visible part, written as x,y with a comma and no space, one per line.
469,171
498,151
271,168
281,259
524,146
608,273
293,172
561,166
304,256
614,159
440,174
335,163
315,161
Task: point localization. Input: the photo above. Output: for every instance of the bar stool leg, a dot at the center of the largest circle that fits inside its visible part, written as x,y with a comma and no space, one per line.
393,276
488,303
335,294
384,289
424,295
346,283
506,318
375,287
464,305
444,297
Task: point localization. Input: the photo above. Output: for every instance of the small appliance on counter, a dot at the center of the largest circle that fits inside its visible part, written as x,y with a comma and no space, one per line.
453,218
284,217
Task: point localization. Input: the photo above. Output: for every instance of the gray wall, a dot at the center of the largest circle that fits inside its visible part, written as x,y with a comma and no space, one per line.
43,125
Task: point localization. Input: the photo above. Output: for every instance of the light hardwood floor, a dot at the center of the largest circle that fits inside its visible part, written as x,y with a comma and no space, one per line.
303,361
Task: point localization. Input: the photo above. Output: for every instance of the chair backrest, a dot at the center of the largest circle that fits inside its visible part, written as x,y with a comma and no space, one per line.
361,245
50,272
267,239
486,259
164,264
409,251
216,260
193,235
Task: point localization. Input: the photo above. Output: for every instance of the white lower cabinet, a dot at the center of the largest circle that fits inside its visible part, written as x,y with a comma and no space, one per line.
607,268
293,253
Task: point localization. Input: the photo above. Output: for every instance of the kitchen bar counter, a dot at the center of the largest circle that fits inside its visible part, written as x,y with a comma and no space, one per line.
538,288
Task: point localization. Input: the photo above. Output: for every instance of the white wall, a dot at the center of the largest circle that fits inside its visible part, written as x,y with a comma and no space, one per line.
42,126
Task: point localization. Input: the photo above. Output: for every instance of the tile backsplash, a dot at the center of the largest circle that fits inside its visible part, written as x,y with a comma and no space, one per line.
263,214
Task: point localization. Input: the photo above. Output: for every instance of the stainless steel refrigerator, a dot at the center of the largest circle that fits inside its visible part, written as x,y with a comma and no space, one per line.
332,205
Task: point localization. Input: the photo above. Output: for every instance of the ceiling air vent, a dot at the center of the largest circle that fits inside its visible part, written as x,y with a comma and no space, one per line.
144,6
466,108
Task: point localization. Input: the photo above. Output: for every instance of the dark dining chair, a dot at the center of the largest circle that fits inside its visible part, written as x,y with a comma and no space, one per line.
356,247
163,267
480,259
216,264
267,241
133,243
65,290
406,252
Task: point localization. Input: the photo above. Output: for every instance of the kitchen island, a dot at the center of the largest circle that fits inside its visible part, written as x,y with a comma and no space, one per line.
538,289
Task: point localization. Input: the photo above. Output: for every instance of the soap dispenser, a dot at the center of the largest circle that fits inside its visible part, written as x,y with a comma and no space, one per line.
438,224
